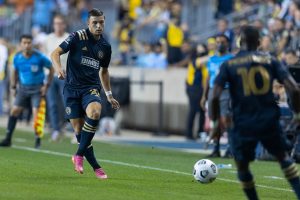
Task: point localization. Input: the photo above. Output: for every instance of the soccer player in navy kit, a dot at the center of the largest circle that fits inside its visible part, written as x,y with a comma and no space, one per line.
87,64
250,75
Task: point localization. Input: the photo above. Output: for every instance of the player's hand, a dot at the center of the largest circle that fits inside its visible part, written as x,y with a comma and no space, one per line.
14,92
202,103
61,74
44,90
114,103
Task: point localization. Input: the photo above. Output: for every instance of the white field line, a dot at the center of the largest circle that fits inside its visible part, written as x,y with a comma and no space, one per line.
140,166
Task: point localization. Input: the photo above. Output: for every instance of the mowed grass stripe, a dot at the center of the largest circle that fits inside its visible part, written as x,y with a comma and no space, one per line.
141,166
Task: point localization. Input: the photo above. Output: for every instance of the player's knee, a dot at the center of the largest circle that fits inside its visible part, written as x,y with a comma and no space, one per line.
15,111
94,114
77,128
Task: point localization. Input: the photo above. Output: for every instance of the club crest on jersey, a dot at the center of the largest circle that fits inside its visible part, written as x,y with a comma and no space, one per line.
100,54
95,92
68,110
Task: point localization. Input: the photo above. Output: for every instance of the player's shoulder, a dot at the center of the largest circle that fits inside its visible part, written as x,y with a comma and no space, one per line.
37,53
105,44
18,55
82,34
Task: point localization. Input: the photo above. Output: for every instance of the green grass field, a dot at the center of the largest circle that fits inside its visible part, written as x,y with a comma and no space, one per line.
135,172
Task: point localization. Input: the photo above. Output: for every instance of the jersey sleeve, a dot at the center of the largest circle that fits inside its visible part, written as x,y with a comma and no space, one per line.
45,61
280,72
222,76
67,44
106,61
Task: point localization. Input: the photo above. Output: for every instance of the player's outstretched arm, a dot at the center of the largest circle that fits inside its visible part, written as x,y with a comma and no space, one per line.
55,57
294,92
105,80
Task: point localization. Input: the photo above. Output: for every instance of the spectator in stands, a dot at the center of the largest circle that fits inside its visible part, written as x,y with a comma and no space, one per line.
224,7
3,65
259,24
280,35
126,39
174,39
55,91
295,40
211,46
144,59
223,28
266,45
159,56
186,55
292,60
42,13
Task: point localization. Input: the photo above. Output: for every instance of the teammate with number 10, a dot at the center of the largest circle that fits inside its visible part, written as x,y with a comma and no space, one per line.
250,75
87,64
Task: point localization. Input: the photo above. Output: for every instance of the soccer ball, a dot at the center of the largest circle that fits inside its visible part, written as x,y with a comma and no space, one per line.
205,171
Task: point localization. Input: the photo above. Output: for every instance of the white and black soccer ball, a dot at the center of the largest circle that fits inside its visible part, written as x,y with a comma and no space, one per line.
205,171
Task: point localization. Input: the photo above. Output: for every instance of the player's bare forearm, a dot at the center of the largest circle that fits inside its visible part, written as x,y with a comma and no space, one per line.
217,90
50,76
294,93
15,78
55,58
105,79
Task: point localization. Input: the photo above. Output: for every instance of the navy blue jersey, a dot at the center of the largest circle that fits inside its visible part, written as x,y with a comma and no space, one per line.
86,56
250,76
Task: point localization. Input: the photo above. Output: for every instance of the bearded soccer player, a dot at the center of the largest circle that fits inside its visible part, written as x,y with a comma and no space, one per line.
250,75
87,64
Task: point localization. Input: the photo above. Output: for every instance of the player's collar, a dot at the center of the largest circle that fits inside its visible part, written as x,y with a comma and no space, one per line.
90,35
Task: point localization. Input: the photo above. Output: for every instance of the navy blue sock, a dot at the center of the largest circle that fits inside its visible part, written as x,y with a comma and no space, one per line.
87,133
217,145
248,185
291,173
12,121
89,154
90,157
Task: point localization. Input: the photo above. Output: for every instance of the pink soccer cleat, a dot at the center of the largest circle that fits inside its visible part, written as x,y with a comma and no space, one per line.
78,163
100,173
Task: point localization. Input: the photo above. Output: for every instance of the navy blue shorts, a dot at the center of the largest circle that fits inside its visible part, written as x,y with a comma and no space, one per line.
243,146
77,100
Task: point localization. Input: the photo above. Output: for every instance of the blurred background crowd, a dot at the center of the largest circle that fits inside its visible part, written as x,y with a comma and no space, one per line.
154,34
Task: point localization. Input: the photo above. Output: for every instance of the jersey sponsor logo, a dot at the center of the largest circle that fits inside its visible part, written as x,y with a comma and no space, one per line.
100,54
90,62
84,49
68,110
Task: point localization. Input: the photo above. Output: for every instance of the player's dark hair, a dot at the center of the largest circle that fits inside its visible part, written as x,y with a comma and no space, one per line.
95,12
290,51
224,36
26,36
250,36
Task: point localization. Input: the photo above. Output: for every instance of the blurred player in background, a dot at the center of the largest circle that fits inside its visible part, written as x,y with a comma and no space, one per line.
88,61
213,65
55,91
250,75
28,84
